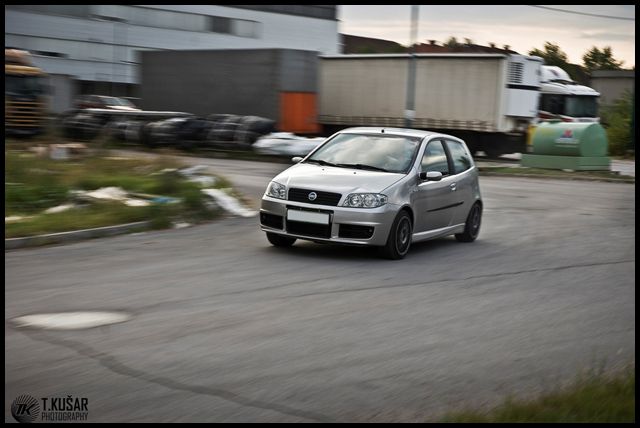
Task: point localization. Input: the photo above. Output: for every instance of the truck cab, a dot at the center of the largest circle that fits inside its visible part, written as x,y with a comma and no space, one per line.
564,99
24,94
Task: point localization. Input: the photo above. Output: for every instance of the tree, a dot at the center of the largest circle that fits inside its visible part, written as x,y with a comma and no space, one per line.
596,59
552,55
618,121
451,43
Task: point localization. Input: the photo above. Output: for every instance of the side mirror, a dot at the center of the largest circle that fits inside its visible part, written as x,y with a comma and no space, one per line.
296,159
431,176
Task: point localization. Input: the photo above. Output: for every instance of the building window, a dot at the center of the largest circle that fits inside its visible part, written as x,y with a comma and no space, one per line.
311,11
235,27
220,24
151,17
51,54
244,28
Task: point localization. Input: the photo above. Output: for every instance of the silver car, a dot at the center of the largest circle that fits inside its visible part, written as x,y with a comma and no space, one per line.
384,187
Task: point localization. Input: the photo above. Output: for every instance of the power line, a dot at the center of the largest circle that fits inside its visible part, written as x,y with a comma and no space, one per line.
582,13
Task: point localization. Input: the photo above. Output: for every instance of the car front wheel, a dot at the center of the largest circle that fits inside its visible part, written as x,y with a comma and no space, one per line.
399,239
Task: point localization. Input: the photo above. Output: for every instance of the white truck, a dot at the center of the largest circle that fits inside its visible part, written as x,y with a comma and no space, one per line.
562,98
489,100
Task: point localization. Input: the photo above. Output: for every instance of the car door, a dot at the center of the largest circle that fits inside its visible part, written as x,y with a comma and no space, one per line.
463,177
434,201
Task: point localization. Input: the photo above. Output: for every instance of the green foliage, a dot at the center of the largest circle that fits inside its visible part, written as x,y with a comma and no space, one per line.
552,55
166,183
33,184
96,215
452,42
30,198
596,59
616,118
195,207
593,399
160,216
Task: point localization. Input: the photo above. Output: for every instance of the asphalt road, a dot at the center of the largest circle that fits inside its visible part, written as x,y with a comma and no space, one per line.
226,328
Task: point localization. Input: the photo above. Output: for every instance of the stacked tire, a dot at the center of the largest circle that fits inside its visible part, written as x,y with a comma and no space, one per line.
81,126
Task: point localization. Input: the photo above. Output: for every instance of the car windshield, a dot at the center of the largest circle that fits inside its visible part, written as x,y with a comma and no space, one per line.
110,101
389,153
23,85
125,102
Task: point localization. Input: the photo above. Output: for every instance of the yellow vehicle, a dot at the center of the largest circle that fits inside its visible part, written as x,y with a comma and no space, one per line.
24,94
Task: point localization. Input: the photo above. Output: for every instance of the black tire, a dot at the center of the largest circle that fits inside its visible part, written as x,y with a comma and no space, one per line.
472,225
399,239
279,240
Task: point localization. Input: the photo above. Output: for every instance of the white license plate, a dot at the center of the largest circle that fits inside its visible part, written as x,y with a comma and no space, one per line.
308,216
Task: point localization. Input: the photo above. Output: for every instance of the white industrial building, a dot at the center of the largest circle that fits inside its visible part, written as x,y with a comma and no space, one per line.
95,48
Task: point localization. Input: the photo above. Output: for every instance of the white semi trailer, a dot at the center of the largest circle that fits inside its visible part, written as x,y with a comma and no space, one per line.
487,99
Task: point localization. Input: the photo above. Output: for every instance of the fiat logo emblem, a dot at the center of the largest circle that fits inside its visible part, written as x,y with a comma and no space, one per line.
312,196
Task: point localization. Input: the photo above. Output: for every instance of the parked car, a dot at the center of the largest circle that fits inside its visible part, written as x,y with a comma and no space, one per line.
105,102
384,187
285,144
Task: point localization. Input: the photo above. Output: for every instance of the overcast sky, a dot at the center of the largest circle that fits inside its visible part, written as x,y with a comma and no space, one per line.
522,27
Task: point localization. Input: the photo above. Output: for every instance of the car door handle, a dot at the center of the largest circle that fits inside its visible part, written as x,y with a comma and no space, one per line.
453,187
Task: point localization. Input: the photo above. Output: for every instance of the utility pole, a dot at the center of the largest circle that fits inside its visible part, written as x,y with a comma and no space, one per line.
410,112
115,59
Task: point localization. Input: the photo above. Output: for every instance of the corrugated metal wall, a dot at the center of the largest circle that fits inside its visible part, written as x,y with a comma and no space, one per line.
243,82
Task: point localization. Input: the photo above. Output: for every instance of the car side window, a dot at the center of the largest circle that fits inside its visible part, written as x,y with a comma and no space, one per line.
435,158
459,155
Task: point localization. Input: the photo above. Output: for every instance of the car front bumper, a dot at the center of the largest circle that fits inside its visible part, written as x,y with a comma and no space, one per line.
346,225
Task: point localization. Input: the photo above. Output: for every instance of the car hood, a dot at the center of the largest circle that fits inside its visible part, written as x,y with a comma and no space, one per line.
335,179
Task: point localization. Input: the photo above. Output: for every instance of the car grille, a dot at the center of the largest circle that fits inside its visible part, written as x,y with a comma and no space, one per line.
309,229
323,198
23,113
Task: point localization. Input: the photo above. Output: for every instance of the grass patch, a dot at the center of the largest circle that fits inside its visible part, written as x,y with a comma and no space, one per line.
96,215
593,398
33,184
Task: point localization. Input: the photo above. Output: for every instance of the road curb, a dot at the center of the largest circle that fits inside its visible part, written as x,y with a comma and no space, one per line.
557,177
75,235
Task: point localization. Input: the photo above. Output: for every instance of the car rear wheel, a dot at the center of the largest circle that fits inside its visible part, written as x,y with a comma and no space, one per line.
472,226
279,240
399,239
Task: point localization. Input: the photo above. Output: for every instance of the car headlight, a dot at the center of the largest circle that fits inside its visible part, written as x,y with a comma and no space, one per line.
364,200
277,190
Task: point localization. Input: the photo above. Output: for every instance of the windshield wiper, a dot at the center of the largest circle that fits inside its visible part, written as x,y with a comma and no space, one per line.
362,166
321,162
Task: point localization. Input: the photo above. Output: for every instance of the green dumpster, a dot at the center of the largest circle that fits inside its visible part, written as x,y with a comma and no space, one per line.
568,145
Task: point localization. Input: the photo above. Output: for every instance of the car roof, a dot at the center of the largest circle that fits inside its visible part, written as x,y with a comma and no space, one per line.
395,131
